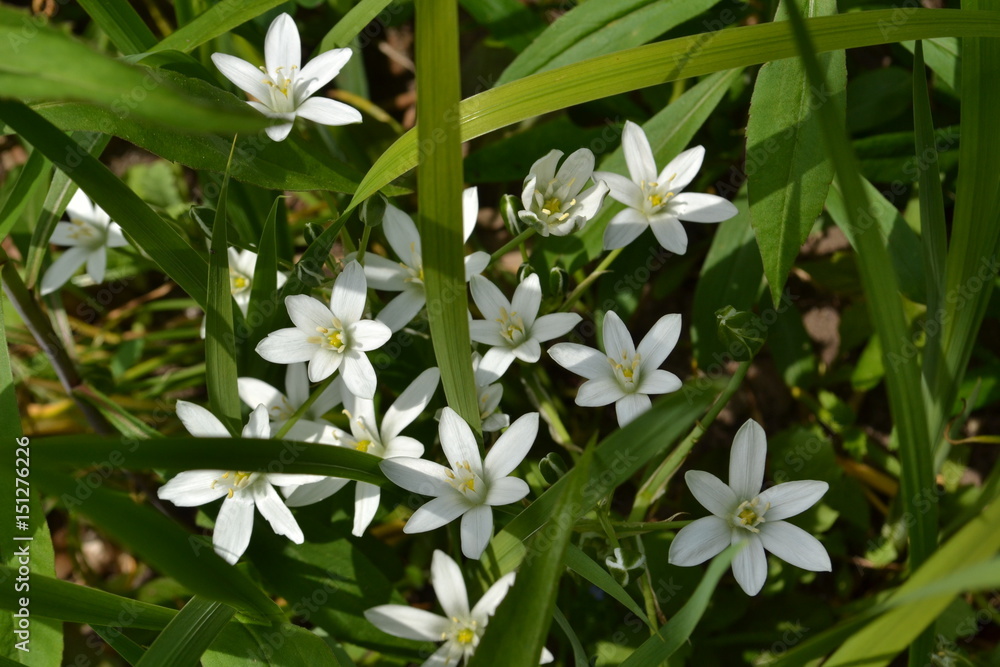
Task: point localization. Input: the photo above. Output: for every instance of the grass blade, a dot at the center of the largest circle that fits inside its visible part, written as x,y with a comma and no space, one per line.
354,22
34,172
188,635
129,651
214,21
264,290
121,24
584,565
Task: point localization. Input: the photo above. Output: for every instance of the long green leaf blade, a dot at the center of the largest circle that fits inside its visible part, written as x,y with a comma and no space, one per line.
121,24
214,21
32,175
188,635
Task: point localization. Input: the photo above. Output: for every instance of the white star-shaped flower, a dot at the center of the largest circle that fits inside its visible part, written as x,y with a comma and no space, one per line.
242,491
461,628
553,201
283,90
331,338
90,233
407,275
365,436
471,485
624,375
656,201
281,407
513,328
741,512
242,266
488,394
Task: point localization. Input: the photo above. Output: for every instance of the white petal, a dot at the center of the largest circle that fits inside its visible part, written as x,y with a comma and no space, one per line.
617,339
437,512
638,154
495,422
320,71
577,168
497,360
527,299
546,657
402,235
492,598
233,527
680,171
257,426
384,274
193,488
359,374
486,332
458,442
200,422
64,233
402,445
554,325
795,546
590,202
281,46
624,228
791,498
475,263
488,297
307,494
657,382
349,291
308,313
529,351
366,498
323,364
408,622
602,390
116,237
331,397
621,189
698,207
97,263
287,346
80,206
630,406
277,514
669,233
511,448
544,168
328,112
528,199
712,493
63,268
403,309
417,475
470,211
477,529
506,490
368,334
279,132
289,481
580,359
446,577
750,563
746,460
660,341
699,540
246,77
410,404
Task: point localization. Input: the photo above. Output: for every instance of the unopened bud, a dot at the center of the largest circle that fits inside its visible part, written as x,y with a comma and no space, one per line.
509,207
738,333
373,209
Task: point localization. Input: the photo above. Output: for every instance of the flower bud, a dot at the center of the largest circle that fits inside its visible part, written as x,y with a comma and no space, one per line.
509,207
373,209
312,232
524,271
558,280
739,333
552,467
622,561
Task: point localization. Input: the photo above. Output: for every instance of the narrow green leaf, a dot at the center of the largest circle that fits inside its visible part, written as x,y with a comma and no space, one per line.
220,341
168,249
31,177
130,651
579,652
670,60
943,57
264,289
788,172
354,21
188,634
585,566
121,24
218,19
244,645
526,612
673,635
439,201
508,21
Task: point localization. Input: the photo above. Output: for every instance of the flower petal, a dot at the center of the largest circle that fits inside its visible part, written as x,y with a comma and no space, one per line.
497,360
506,490
577,169
359,374
308,313
325,111
403,309
746,460
791,498
233,527
699,540
554,325
658,382
470,211
621,189
712,493
349,291
65,233
527,299
307,494
669,233
602,390
492,598
320,71
331,397
192,488
486,332
276,513
410,404
458,442
417,475
529,351
511,448
384,274
199,422
408,622
402,445
287,346
401,233
323,364
580,359
680,171
280,131
660,341
366,499
477,529
63,268
630,406
97,263
281,46
246,77
475,263
750,563
544,168
638,154
257,426
795,546
624,228
699,207
488,297
437,512
617,339
81,207
449,586
368,335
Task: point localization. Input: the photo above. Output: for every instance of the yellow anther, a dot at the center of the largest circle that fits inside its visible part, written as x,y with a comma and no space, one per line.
465,636
363,445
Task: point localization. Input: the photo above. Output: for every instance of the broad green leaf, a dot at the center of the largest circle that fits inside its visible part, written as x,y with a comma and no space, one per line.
49,65
526,611
354,21
243,645
671,60
121,24
788,173
159,541
596,28
673,635
188,635
216,20
585,566
876,97
32,176
439,202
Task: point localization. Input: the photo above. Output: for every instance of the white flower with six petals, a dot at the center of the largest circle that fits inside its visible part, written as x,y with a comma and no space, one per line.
281,407
553,201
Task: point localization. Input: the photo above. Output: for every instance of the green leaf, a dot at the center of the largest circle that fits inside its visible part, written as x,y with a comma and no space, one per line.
188,634
673,635
244,645
526,611
508,21
585,566
167,248
130,651
944,59
788,173
52,66
439,201
214,21
121,24
354,22
670,60
264,288
579,652
32,175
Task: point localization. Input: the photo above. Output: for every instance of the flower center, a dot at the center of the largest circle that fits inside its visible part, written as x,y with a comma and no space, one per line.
332,338
363,445
749,515
235,480
656,194
627,370
282,88
464,480
511,327
238,282
463,635
86,234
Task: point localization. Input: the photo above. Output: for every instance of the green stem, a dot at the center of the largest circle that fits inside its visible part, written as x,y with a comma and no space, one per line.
605,523
297,415
513,243
654,486
629,528
365,235
586,282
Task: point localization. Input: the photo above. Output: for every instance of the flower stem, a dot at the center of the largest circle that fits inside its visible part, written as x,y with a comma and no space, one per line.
364,244
513,243
588,281
286,427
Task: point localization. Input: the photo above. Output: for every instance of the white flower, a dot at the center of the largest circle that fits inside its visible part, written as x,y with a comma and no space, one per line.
331,338
365,436
281,407
742,513
656,200
242,490
407,275
282,89
242,265
471,485
90,232
460,628
488,394
553,201
626,376
513,327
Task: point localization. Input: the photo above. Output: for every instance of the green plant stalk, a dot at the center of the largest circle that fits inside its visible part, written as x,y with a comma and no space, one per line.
653,487
589,280
365,235
517,241
629,528
298,414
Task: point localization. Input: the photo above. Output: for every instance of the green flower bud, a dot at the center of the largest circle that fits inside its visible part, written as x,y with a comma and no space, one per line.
524,271
558,281
373,209
740,333
552,467
509,207
312,232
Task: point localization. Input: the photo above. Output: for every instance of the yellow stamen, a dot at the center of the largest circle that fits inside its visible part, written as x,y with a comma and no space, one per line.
465,636
363,445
